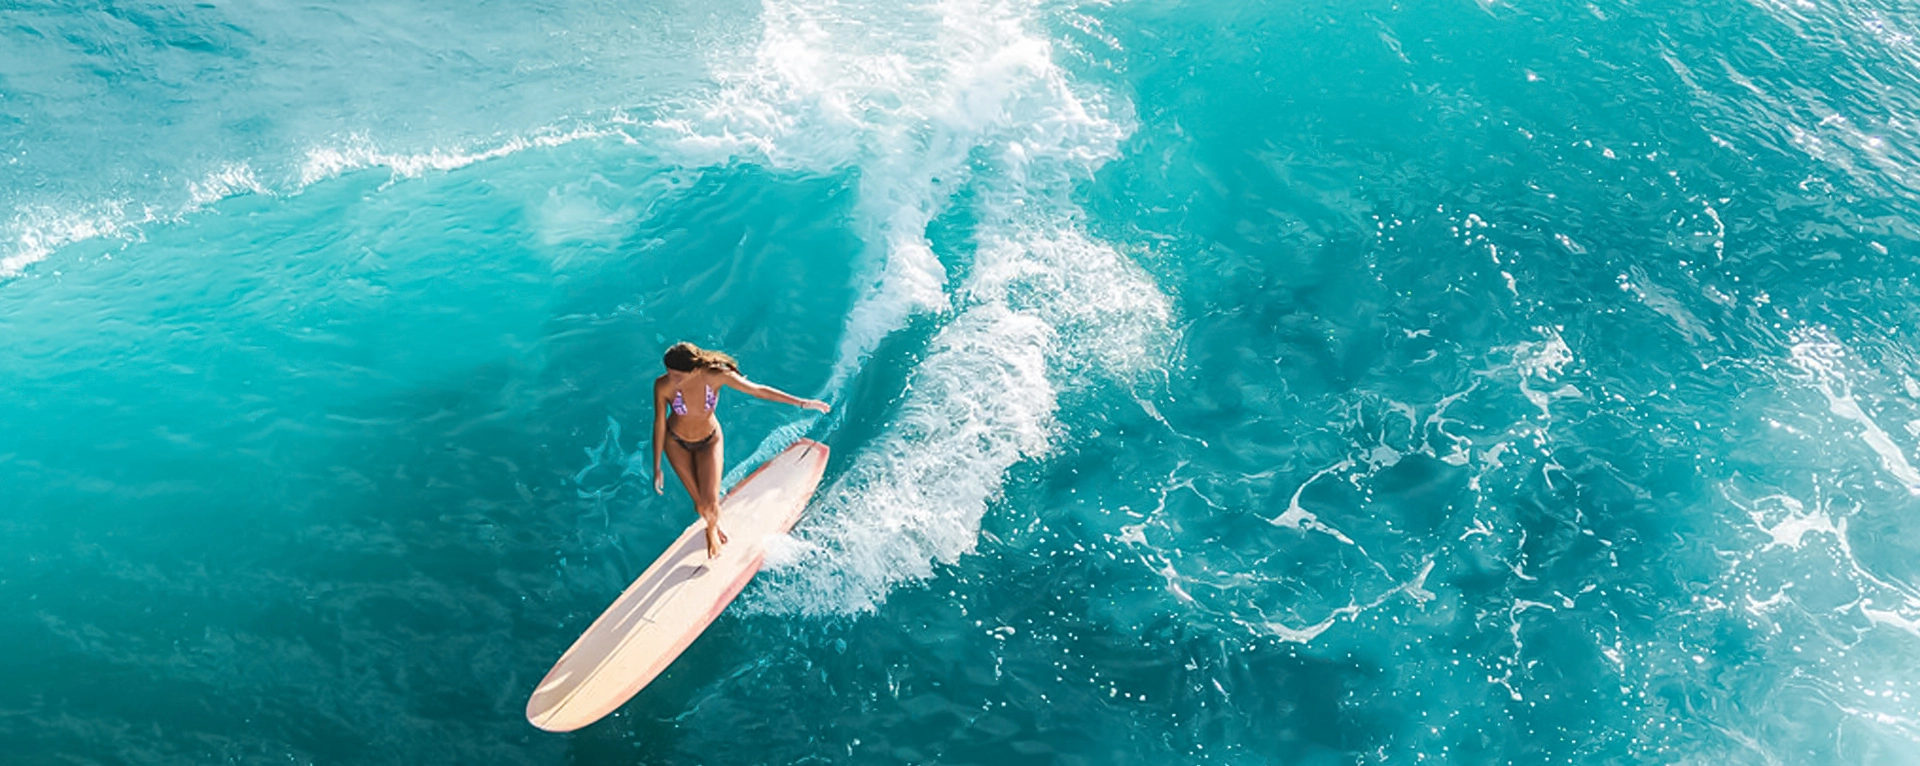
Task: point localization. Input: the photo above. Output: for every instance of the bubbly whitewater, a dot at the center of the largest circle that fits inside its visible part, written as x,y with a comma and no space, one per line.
1477,382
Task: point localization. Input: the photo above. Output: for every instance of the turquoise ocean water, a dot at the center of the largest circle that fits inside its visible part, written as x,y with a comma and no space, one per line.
1216,383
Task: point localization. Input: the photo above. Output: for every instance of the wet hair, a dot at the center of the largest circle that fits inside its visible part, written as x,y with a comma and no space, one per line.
686,357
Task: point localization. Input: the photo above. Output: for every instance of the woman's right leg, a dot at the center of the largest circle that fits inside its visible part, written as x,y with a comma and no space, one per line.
683,467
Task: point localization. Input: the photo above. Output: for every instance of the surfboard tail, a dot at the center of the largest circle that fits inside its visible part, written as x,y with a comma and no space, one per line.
668,606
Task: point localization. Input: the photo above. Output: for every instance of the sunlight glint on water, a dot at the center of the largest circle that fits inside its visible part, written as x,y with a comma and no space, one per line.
1214,383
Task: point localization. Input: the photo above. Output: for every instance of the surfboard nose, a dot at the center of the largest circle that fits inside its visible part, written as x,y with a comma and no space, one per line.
539,720
548,700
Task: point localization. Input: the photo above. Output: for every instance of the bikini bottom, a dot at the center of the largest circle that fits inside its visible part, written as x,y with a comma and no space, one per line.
694,446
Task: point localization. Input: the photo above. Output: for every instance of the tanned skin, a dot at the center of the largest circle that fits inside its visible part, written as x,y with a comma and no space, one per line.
700,471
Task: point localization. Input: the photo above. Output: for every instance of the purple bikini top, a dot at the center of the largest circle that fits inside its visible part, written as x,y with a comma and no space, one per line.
680,405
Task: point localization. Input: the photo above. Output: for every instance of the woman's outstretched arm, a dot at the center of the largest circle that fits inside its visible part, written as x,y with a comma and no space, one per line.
771,394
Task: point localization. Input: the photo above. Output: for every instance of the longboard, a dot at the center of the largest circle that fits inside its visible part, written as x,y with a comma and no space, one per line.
663,611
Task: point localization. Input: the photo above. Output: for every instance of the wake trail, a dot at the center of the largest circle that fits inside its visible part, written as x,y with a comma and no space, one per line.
923,101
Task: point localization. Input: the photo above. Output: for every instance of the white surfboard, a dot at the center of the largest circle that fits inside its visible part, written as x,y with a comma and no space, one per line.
660,614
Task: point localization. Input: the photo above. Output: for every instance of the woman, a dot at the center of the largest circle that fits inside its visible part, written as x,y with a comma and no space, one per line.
685,428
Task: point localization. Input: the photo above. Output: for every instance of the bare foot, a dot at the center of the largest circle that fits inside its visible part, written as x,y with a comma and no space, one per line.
715,538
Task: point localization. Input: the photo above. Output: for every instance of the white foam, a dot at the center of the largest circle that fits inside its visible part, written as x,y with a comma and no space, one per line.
915,496
36,232
1044,306
1286,633
359,152
783,551
912,98
1544,361
905,93
1297,517
1823,359
232,180
1414,588
1892,619
1793,527
882,87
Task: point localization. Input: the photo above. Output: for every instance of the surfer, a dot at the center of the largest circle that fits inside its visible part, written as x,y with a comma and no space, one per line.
698,460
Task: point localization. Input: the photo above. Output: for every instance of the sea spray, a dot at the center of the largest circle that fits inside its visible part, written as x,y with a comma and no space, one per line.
917,100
